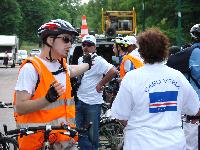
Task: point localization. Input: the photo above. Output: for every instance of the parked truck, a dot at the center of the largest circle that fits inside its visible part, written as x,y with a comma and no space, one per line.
119,22
114,23
9,43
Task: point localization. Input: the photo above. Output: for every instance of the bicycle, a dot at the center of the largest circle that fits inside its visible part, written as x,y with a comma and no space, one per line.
71,132
110,130
7,143
110,134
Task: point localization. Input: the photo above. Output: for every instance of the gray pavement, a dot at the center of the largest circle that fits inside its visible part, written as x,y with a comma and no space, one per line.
8,79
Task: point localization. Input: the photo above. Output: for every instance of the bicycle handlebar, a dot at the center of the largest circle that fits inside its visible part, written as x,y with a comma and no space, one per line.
30,130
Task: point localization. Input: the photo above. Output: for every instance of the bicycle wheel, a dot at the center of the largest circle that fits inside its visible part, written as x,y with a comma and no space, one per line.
7,143
110,135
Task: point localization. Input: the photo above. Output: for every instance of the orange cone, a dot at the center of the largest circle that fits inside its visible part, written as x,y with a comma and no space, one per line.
84,27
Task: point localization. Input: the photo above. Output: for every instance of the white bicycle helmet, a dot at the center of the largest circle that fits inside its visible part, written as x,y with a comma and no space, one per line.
56,27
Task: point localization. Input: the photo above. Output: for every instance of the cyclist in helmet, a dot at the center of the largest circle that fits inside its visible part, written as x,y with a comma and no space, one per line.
191,129
118,49
132,60
43,89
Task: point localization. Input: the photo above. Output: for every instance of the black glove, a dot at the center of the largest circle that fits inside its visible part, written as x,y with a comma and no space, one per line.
87,59
52,94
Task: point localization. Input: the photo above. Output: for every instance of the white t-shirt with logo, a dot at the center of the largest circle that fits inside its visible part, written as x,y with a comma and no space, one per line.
87,90
152,99
28,76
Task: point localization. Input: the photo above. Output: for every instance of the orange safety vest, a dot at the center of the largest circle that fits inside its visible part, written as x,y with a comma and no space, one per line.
60,111
136,62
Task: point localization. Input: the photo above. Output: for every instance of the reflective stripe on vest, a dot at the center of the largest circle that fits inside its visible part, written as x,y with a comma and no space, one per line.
136,62
61,111
53,123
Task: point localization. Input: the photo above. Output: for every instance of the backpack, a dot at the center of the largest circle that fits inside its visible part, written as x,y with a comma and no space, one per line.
180,61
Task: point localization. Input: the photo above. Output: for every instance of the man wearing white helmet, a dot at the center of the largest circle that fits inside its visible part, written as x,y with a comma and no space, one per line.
132,60
88,105
43,89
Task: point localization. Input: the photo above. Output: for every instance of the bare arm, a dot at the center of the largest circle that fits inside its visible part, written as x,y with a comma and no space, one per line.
25,105
110,74
76,70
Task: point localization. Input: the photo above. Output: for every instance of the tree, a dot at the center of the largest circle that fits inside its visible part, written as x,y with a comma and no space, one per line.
10,15
36,12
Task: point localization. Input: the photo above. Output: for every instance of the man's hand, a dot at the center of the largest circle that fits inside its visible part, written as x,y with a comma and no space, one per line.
99,88
54,92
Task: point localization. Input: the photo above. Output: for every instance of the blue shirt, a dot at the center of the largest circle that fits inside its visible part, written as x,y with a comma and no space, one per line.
194,65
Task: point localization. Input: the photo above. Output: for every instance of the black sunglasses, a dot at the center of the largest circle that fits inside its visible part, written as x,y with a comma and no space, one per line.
87,44
66,39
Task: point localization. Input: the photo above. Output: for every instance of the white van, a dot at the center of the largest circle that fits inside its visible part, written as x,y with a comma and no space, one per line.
9,43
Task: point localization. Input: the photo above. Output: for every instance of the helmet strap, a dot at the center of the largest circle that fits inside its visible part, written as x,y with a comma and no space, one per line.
50,57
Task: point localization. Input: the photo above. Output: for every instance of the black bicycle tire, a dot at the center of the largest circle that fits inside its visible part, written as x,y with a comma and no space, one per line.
109,122
5,140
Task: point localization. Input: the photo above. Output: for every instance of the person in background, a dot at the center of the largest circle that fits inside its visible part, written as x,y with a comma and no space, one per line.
118,50
43,89
132,59
5,59
152,98
191,129
88,105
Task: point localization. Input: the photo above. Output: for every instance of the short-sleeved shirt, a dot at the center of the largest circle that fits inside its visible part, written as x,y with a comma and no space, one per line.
87,90
28,76
152,99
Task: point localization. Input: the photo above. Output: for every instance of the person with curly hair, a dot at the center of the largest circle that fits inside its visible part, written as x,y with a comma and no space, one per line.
152,98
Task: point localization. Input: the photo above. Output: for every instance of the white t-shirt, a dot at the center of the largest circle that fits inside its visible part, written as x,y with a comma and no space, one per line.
87,90
28,76
128,64
152,99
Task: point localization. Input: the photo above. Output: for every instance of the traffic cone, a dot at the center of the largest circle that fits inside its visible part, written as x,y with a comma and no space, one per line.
84,27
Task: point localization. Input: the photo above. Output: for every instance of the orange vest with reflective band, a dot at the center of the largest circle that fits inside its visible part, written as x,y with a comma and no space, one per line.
60,111
136,62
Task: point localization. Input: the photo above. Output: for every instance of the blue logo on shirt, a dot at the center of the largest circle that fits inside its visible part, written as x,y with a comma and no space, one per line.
163,101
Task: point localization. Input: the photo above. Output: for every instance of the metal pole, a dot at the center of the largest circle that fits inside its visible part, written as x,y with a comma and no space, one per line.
179,24
143,20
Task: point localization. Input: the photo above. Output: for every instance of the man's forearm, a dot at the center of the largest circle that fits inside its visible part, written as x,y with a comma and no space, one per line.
110,74
29,106
76,70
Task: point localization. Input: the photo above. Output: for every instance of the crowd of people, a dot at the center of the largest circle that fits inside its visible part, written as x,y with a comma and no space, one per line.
150,102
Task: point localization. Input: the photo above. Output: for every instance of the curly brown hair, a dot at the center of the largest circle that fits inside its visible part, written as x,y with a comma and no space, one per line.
153,45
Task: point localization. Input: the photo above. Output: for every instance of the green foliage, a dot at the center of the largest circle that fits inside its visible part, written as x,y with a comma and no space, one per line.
161,14
10,15
36,12
24,17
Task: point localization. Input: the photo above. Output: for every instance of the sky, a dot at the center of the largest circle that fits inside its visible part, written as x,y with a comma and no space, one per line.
84,1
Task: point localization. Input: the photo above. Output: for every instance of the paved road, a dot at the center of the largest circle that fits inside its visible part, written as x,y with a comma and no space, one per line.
8,79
